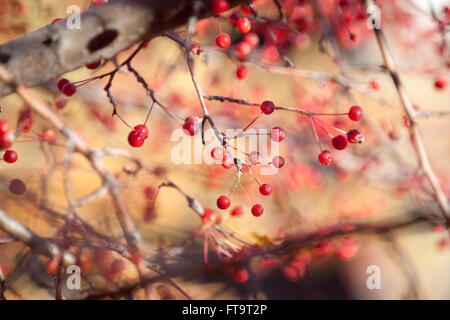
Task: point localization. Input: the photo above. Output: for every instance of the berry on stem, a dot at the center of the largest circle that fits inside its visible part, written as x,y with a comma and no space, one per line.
210,217
355,113
190,126
5,127
267,107
219,6
223,202
69,89
257,210
237,211
10,156
61,83
247,8
136,138
228,161
244,25
254,158
223,40
339,142
354,136
6,140
252,39
278,162
217,153
142,128
325,157
265,189
94,65
277,134
440,82
243,49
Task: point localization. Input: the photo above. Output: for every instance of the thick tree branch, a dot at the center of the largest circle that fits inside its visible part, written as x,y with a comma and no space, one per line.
44,54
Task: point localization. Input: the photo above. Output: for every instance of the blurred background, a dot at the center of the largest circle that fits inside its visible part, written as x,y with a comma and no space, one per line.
371,182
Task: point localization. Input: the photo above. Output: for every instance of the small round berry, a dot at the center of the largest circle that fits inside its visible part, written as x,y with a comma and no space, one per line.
237,211
210,217
375,84
219,6
69,89
252,39
243,49
142,128
217,153
190,126
257,210
254,158
149,192
5,127
228,161
25,120
247,8
277,134
240,275
242,72
94,65
17,187
265,189
196,48
10,156
60,104
223,202
56,20
61,83
223,40
99,2
440,82
136,138
50,135
244,25
325,158
339,142
355,113
354,136
278,162
6,140
267,107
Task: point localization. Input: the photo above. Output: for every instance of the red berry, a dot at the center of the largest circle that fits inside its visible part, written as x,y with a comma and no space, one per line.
190,126
240,275
440,82
247,8
10,156
244,25
149,192
265,189
354,136
219,6
142,128
60,104
196,48
228,161
218,153
237,211
339,142
254,158
243,49
69,89
277,134
267,107
375,84
94,65
257,210
210,216
223,40
136,138
252,39
355,113
278,162
99,2
6,140
325,157
56,20
50,135
61,83
223,202
242,72
5,127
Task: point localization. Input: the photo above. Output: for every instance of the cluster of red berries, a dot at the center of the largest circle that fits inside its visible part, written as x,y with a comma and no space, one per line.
137,136
66,87
340,142
6,140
